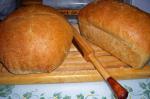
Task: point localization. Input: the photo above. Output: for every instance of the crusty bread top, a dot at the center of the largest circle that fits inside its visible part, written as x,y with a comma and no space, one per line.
121,20
31,10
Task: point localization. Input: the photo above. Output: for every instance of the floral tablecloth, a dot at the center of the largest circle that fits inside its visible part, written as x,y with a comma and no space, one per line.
138,89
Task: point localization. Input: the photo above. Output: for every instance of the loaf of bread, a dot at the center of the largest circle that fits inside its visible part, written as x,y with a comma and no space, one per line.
119,28
34,39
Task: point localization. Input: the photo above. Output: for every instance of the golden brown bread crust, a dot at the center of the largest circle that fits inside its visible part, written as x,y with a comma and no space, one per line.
118,28
34,39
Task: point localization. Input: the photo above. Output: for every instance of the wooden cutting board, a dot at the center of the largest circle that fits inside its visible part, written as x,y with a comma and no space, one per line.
76,69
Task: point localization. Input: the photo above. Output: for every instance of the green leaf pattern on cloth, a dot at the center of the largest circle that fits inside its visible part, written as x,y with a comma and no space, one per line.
27,95
6,92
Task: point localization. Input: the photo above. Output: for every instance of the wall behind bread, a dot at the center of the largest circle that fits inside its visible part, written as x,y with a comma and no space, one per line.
142,4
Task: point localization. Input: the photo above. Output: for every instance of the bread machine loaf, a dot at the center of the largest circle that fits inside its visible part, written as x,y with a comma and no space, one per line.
34,39
118,28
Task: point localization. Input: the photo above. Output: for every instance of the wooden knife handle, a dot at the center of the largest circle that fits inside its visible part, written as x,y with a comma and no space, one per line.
89,54
119,91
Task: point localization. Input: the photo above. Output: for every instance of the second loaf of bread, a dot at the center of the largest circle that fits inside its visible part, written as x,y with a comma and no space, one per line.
118,28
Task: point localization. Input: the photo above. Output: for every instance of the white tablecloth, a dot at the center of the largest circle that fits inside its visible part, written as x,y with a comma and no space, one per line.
138,89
